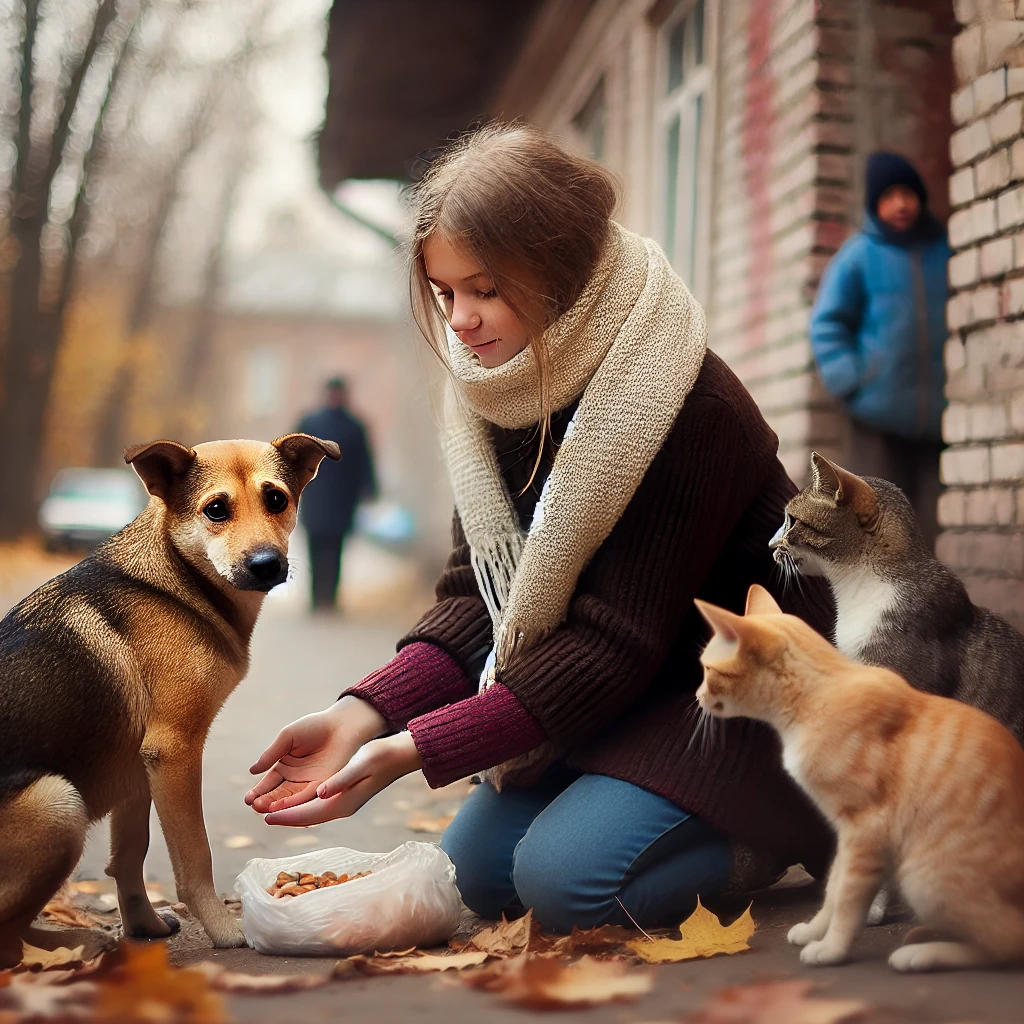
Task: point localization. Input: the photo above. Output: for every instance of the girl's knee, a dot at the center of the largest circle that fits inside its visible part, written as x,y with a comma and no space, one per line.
479,879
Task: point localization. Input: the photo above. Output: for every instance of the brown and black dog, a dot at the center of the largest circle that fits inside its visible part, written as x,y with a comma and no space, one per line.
111,674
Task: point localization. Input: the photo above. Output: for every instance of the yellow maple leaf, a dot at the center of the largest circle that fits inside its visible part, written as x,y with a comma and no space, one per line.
701,935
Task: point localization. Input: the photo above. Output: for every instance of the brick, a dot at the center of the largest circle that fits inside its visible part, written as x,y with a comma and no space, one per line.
952,508
969,143
958,311
1015,76
1012,299
959,229
993,173
989,91
983,219
967,384
1007,461
1010,209
965,10
1020,509
1016,161
1005,123
1017,416
961,106
996,257
968,54
982,550
990,506
954,423
999,37
964,268
961,185
1018,251
954,355
987,421
965,465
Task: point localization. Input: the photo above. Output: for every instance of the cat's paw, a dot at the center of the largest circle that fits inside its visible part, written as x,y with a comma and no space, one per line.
801,934
822,953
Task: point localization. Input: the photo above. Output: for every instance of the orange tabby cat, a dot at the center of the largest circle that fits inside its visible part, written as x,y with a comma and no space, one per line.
922,787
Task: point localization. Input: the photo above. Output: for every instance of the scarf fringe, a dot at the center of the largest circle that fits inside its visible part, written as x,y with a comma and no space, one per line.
494,565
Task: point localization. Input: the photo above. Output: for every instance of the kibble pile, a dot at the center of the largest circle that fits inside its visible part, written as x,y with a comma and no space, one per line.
297,884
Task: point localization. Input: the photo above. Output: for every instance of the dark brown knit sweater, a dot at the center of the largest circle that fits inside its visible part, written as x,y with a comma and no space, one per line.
614,686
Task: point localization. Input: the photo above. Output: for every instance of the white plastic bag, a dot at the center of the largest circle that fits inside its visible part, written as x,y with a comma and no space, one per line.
409,899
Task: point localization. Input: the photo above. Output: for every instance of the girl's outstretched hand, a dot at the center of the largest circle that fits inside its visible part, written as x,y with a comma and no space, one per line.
310,751
373,768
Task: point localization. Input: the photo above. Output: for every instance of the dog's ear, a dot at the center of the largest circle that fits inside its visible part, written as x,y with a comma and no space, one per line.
161,465
304,453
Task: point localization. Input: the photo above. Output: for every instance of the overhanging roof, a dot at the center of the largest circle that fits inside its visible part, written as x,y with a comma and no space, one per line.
407,74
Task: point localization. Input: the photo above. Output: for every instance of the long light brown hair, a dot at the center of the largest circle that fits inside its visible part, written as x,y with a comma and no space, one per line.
532,215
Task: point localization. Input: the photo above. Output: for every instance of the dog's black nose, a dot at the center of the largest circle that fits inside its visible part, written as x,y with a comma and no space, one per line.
267,567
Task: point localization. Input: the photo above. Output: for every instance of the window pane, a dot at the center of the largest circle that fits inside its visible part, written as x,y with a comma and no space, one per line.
694,165
671,186
698,33
675,55
590,121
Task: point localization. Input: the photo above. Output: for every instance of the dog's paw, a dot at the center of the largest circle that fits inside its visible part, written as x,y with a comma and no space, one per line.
165,925
801,934
821,953
226,934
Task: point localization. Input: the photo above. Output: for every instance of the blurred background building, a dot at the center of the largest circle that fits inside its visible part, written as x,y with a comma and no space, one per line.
198,212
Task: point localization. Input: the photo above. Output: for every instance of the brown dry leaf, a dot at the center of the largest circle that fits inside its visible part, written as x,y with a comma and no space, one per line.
223,980
702,935
238,842
91,886
508,938
143,987
422,822
35,997
67,914
420,963
775,1002
593,940
33,958
542,982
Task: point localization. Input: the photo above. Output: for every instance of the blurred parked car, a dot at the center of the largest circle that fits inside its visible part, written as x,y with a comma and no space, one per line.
86,506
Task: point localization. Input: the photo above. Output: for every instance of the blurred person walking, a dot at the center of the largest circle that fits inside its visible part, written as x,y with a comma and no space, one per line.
877,333
328,507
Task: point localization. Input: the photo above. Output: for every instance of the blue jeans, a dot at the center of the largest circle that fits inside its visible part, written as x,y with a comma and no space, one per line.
574,845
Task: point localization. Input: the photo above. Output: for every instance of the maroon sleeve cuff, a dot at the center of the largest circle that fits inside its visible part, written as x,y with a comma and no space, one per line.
419,678
474,734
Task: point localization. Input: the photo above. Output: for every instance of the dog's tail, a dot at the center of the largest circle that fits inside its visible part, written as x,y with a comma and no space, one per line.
43,824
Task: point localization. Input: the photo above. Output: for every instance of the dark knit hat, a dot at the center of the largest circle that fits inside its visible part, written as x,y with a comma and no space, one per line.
885,170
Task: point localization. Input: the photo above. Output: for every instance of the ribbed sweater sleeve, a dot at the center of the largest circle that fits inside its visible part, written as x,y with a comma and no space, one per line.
475,734
421,677
632,600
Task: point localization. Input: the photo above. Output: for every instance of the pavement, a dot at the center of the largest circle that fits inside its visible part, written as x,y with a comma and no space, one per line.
300,663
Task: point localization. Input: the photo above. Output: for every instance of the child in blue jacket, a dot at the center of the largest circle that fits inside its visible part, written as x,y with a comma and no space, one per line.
877,333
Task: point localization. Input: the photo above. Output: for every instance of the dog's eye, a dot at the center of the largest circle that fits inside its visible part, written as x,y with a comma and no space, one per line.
217,511
275,500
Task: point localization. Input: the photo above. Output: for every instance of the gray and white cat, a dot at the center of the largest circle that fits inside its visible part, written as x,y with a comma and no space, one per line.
897,606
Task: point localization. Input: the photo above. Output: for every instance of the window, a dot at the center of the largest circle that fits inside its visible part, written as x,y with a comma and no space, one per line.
264,373
683,82
590,121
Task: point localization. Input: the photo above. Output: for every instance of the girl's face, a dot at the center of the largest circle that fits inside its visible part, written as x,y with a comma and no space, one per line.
899,207
482,321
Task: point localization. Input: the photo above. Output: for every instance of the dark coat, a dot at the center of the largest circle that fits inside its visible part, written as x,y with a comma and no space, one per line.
329,503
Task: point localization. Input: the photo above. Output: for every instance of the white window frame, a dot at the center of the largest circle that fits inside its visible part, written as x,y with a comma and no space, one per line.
685,238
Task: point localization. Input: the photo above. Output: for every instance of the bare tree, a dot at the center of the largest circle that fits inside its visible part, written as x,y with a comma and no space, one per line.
40,283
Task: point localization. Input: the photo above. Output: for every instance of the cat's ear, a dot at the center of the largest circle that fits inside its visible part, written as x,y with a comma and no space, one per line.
726,624
858,494
826,479
761,602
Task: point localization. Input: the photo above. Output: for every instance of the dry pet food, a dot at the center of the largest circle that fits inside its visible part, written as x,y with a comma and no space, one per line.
298,883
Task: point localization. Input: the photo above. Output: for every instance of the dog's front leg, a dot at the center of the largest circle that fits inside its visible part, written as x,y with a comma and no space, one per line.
129,842
176,776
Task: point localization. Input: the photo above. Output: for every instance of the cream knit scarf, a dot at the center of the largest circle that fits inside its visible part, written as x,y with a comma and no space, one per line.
632,346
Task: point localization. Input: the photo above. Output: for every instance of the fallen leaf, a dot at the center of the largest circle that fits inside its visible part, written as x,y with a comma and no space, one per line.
421,822
223,980
143,987
420,963
61,912
91,886
302,841
701,935
775,1002
542,982
238,842
33,958
508,938
32,997
593,940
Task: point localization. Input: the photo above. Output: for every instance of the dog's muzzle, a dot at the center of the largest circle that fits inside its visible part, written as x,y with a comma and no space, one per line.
263,570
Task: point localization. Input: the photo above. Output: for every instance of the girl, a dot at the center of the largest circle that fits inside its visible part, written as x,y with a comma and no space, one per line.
607,470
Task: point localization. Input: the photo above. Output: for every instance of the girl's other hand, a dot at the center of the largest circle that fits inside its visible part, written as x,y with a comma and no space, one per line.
311,750
373,768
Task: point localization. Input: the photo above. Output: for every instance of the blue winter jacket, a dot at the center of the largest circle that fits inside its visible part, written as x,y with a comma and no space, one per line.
878,328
